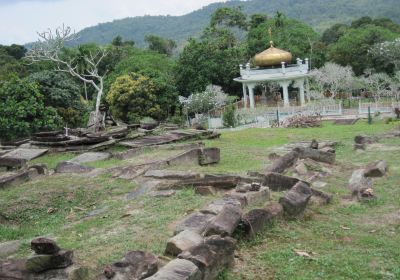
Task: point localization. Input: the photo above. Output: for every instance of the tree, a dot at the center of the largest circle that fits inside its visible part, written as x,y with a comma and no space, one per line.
61,92
214,59
229,17
133,97
332,34
387,54
288,34
353,47
202,102
378,84
157,67
333,78
160,45
23,111
50,47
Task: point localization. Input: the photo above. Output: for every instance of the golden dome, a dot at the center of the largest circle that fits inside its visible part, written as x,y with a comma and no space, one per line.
272,56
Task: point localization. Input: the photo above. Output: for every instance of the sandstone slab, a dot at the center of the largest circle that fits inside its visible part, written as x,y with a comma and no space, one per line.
256,220
39,263
135,265
376,169
216,206
209,156
72,167
213,256
43,245
178,269
90,157
251,197
26,154
294,201
196,222
182,242
225,222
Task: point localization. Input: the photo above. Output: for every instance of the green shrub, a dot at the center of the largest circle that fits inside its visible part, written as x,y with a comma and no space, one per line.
23,111
228,118
133,97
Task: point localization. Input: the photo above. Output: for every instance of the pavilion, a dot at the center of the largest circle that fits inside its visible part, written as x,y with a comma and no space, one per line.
273,65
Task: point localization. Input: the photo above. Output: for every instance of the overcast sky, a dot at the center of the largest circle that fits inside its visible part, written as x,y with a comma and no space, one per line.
21,19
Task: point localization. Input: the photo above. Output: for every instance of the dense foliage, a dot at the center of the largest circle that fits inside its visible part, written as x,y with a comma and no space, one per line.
146,82
61,92
23,110
133,97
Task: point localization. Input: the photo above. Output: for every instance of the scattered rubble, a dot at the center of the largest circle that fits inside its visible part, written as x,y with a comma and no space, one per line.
301,121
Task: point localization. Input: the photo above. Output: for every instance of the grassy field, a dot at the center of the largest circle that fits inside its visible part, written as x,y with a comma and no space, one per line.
350,240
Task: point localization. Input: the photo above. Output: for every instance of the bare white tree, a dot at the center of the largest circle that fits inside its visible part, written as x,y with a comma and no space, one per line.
333,78
50,47
378,84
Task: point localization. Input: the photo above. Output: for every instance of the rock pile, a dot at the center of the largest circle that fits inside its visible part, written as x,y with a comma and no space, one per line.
48,262
302,122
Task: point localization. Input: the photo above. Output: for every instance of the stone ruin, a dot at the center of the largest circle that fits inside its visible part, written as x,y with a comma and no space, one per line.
48,262
203,244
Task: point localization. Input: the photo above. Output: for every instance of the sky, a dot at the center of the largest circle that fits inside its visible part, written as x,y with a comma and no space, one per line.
20,20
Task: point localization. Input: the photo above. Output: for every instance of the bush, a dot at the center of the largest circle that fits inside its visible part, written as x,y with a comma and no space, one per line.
228,118
23,111
133,97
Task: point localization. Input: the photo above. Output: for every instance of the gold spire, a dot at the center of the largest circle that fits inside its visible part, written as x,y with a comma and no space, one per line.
270,37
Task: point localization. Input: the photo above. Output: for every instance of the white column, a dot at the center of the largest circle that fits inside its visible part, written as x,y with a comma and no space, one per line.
301,91
300,85
285,88
251,94
244,95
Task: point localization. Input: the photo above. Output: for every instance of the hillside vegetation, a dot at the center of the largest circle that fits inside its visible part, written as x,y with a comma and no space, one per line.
320,14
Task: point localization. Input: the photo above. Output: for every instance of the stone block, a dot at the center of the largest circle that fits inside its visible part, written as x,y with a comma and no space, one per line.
206,190
251,198
225,222
216,206
196,222
90,157
256,220
209,156
212,257
295,201
182,242
135,265
72,167
178,269
376,169
39,263
44,246
279,182
317,155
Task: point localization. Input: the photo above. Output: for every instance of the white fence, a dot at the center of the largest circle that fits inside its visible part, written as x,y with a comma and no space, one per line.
379,106
267,115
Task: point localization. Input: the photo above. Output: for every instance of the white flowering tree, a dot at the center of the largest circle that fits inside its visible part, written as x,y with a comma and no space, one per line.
332,78
388,53
203,102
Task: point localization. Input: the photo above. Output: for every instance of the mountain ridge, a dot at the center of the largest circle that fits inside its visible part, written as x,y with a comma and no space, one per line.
320,14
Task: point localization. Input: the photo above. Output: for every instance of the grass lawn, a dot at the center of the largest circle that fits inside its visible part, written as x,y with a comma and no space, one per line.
350,240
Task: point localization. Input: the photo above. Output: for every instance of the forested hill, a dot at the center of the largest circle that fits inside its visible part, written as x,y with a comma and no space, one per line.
320,14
